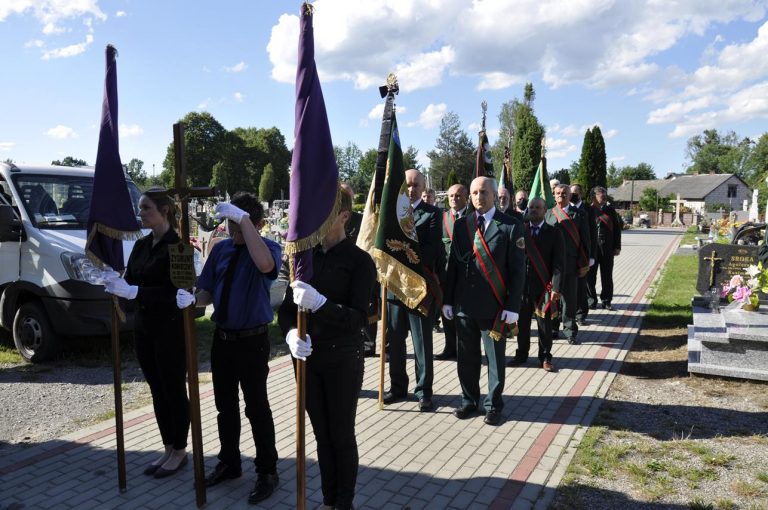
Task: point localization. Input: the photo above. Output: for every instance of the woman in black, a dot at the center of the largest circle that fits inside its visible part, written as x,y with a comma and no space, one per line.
337,296
159,330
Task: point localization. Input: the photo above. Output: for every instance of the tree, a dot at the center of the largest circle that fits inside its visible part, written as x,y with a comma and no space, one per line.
562,175
526,145
613,179
587,171
452,179
267,184
236,170
70,161
204,144
348,160
598,159
411,158
641,172
758,164
136,172
453,151
711,152
651,201
267,146
507,128
361,181
8,161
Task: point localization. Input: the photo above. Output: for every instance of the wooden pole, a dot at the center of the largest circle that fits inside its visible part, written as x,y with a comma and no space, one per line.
117,382
190,342
382,343
301,373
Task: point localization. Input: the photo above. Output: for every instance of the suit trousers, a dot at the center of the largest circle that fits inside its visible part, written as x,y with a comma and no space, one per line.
568,296
333,386
161,354
449,328
544,327
470,332
400,320
605,264
243,362
582,296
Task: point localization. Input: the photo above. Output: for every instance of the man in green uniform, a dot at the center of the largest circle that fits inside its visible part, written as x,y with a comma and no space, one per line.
608,246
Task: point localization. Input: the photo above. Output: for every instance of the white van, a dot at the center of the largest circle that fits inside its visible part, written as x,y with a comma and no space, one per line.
46,291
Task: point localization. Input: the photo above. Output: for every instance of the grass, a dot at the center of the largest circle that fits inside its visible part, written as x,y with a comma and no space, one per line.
690,235
763,476
671,305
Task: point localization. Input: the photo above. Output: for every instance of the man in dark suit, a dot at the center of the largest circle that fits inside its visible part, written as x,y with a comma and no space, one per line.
545,250
401,319
507,206
457,200
486,270
608,247
583,204
572,223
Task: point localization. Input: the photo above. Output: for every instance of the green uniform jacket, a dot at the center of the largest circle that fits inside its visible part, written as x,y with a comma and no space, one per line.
551,245
467,288
572,247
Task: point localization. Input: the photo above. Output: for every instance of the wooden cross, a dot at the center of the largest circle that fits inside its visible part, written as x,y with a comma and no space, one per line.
713,260
183,276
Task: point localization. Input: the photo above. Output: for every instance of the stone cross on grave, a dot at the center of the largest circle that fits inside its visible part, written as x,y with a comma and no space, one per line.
183,277
677,222
713,260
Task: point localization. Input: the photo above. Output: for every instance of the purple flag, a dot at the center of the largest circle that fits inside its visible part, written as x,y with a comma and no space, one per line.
111,217
314,174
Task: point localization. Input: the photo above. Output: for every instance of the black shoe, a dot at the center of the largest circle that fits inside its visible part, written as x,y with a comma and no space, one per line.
444,356
555,335
465,412
425,405
516,362
438,329
391,398
492,417
220,473
593,307
369,353
162,472
573,341
581,322
151,469
607,306
265,486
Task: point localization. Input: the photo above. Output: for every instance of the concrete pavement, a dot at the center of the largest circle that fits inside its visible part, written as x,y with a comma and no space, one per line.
407,459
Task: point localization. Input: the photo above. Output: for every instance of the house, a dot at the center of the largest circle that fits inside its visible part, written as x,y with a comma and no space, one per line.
696,191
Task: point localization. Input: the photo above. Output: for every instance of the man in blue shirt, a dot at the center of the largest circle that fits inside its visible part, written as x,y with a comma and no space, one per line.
236,278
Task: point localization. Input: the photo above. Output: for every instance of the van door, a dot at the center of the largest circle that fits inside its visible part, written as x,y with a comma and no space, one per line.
10,236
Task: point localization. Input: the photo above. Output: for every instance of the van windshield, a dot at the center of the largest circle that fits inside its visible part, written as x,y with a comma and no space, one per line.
61,201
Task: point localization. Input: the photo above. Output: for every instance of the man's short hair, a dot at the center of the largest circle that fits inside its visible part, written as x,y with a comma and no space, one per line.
345,204
564,186
249,203
553,182
538,199
599,189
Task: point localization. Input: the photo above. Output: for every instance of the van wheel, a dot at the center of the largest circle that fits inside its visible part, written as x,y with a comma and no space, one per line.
33,335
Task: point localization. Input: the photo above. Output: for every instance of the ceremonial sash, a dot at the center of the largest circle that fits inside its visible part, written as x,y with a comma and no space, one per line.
491,273
564,219
544,303
449,218
434,292
604,218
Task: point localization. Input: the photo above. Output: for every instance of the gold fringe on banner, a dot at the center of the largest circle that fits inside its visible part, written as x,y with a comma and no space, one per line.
406,284
109,232
313,239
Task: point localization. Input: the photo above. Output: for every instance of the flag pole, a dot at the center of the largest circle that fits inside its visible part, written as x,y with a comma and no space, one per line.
117,382
383,343
301,374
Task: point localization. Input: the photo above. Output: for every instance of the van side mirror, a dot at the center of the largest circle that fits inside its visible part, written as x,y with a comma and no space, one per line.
10,225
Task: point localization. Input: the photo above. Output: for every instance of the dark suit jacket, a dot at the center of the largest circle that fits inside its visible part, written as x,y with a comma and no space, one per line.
571,247
608,238
352,228
589,212
466,287
551,245
429,233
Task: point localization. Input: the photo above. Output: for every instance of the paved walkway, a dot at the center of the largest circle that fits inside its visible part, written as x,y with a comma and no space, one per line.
407,459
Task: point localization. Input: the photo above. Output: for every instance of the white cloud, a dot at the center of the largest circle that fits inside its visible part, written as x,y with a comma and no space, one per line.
7,146
206,69
131,130
68,51
34,43
50,29
203,105
237,68
559,147
51,11
610,133
120,14
61,132
499,80
569,130
378,111
616,159
431,116
239,96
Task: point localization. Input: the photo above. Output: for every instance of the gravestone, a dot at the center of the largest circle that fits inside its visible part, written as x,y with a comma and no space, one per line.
719,262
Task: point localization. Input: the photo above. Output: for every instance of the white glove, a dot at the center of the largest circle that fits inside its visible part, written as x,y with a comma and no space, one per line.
306,296
591,262
225,210
119,287
509,317
184,299
300,349
448,312
108,274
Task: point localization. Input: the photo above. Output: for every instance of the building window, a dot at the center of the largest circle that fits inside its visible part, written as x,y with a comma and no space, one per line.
732,190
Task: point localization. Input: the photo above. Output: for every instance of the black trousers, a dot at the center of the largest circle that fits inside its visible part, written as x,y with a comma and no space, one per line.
243,362
568,297
162,358
333,384
605,264
544,325
468,363
400,320
451,341
582,296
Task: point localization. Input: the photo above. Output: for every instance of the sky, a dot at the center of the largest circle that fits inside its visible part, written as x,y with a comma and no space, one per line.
650,73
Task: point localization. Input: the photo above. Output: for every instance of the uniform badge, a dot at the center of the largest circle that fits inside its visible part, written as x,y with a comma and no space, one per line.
521,243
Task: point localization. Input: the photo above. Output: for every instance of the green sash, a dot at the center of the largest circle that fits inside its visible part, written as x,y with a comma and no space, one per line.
544,303
449,218
604,218
564,219
491,273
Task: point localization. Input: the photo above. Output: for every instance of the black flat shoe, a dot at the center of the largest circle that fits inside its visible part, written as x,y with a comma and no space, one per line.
492,417
444,356
151,469
391,398
425,405
265,486
514,362
162,472
573,341
220,473
465,412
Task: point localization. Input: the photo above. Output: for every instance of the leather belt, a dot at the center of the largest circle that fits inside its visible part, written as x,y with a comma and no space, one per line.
236,334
